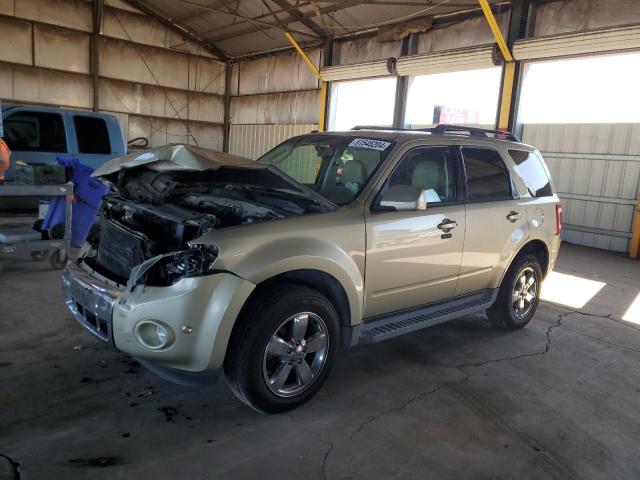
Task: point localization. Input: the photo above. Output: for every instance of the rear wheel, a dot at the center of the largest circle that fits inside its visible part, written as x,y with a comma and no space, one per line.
283,349
519,294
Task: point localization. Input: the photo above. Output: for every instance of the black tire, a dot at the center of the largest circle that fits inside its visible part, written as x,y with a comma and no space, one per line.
506,311
262,320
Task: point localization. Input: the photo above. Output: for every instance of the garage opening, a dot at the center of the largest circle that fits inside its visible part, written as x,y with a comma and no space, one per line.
465,98
362,102
584,115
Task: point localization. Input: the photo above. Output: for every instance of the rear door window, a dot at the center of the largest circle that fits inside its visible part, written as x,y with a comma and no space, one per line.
35,132
488,178
530,167
92,135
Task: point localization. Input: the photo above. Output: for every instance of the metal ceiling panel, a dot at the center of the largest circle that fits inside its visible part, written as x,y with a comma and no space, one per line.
244,27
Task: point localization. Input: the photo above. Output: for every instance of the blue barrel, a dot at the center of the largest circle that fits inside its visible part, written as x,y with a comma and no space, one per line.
88,193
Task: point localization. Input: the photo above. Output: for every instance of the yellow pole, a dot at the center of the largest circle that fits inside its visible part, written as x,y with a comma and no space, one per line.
509,67
634,250
507,94
497,33
316,72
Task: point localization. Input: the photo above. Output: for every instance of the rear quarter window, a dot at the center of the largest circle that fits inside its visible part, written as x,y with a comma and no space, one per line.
92,135
488,178
531,169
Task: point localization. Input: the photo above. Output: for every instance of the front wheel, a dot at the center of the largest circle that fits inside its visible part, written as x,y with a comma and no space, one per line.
519,294
284,348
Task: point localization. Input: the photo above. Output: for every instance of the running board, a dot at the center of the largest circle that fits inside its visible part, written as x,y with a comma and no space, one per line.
383,327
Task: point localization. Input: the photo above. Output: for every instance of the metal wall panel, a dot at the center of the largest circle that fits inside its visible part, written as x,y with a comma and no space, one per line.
140,28
61,49
7,7
122,5
253,141
167,113
278,73
276,108
468,33
159,102
576,15
75,14
122,60
16,44
34,85
205,75
162,131
366,50
596,169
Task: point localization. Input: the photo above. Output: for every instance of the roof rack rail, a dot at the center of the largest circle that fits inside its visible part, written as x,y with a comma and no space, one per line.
446,128
377,127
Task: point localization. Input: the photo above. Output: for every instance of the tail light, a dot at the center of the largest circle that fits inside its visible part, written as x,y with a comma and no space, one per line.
558,219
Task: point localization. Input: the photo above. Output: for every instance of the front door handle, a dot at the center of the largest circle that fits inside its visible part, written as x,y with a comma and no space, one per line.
447,225
513,216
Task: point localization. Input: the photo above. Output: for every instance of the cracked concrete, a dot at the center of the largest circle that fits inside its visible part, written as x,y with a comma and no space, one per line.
9,468
463,400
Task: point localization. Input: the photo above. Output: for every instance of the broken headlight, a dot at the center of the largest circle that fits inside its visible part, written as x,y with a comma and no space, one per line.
170,268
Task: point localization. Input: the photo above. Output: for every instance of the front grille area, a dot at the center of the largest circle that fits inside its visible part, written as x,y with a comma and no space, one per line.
99,326
120,249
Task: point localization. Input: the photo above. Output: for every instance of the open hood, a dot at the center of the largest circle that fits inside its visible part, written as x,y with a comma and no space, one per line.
188,158
174,157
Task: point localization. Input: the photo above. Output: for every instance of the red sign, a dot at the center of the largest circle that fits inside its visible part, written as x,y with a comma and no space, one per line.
455,115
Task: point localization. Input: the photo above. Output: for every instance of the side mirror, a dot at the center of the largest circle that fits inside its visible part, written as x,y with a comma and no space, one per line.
405,200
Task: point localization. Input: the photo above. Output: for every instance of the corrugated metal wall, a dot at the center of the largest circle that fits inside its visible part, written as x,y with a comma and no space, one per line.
596,169
157,84
252,141
273,98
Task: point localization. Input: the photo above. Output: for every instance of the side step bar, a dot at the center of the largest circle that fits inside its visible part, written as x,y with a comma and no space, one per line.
383,327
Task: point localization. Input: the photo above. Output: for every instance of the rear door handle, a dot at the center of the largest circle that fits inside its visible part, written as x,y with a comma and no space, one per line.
447,225
514,216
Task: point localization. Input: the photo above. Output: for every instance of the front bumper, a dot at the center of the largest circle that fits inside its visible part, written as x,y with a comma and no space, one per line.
90,300
198,312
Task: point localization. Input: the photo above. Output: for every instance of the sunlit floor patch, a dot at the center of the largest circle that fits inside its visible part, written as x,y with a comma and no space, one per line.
569,290
633,314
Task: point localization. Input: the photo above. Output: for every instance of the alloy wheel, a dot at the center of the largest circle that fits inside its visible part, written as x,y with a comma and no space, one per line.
295,354
525,292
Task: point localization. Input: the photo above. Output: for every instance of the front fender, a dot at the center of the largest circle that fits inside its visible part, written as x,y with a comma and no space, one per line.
333,243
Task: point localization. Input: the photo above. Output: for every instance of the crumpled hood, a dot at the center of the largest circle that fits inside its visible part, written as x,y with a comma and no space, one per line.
189,158
176,157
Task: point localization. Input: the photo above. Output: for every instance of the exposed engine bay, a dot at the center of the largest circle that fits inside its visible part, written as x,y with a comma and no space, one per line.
153,213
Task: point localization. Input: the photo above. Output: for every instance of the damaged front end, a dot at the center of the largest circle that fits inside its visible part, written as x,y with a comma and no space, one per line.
156,211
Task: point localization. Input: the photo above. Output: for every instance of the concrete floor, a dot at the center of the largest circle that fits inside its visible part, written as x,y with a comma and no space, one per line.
558,399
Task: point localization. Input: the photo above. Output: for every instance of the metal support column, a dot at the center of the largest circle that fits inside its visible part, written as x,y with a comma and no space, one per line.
409,47
634,249
226,133
512,72
98,10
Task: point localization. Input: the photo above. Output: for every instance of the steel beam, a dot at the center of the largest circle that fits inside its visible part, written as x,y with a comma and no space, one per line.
226,133
299,16
98,12
409,47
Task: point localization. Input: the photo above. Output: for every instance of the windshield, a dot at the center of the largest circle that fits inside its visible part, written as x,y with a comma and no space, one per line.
335,166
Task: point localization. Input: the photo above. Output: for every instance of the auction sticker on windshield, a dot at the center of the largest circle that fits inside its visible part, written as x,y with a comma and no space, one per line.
370,144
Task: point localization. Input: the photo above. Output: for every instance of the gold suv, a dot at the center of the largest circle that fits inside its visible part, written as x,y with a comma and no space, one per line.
208,263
